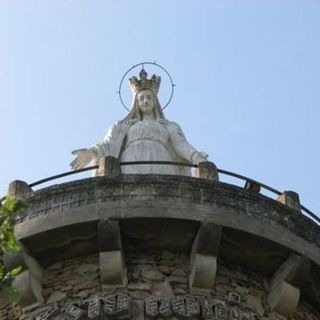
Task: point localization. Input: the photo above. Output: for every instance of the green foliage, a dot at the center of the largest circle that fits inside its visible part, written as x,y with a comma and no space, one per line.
8,243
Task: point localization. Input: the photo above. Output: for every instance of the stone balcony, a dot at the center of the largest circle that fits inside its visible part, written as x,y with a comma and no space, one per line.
207,220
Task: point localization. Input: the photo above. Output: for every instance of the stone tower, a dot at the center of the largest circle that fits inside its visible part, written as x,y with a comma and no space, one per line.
146,243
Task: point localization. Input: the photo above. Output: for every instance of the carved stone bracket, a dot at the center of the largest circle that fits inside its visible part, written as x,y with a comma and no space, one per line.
204,256
284,293
112,270
284,298
29,281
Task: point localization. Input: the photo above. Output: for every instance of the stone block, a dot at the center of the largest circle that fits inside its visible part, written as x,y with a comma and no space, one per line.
19,190
29,287
163,289
56,296
284,299
207,170
291,199
109,167
112,271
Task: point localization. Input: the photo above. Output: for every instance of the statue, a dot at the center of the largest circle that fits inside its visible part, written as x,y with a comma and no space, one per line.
143,135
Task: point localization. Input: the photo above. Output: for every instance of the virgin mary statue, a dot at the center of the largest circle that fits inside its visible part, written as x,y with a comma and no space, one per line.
143,135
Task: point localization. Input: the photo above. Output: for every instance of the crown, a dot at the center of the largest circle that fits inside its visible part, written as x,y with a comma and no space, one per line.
143,83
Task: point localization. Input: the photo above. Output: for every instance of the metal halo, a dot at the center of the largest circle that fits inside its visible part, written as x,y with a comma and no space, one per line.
141,64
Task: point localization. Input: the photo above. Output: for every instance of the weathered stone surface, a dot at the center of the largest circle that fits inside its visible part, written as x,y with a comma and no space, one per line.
165,269
55,266
139,286
255,304
87,268
56,296
163,289
167,255
178,273
151,273
291,199
177,280
139,295
207,170
20,190
109,167
252,186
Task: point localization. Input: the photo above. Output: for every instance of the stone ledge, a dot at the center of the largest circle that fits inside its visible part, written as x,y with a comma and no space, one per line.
168,196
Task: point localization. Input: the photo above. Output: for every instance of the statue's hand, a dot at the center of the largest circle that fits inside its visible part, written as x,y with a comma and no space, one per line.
199,156
83,158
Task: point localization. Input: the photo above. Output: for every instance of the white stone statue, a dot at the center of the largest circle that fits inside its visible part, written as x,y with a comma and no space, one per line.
143,135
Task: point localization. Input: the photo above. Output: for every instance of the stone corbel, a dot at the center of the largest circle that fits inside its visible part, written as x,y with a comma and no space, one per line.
284,292
204,256
112,267
284,299
29,281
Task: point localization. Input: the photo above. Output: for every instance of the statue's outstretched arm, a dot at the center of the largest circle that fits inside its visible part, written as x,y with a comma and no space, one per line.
110,146
182,147
83,158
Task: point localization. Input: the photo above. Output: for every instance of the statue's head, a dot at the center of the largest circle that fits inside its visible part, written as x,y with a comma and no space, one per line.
145,99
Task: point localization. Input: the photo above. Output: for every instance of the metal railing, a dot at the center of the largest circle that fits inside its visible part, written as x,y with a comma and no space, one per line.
221,171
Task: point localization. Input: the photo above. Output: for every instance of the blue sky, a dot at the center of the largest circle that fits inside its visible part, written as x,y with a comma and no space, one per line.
247,76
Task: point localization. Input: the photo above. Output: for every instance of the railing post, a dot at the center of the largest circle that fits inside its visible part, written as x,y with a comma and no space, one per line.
109,167
207,170
19,190
291,199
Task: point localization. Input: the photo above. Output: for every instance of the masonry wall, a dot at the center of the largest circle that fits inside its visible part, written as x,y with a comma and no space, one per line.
157,274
